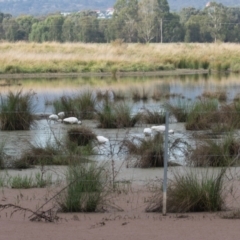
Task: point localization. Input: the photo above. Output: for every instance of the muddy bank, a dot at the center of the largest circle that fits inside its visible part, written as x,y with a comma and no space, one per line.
101,74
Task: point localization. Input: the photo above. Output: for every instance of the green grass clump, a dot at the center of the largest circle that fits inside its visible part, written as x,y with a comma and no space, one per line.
82,135
153,117
66,104
215,152
179,110
116,116
2,154
138,95
192,192
85,104
85,188
38,181
202,114
149,152
16,111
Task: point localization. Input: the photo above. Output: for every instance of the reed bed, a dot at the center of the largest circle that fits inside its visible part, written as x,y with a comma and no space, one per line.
92,57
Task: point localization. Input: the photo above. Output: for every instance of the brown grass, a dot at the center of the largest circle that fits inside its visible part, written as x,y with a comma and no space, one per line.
58,57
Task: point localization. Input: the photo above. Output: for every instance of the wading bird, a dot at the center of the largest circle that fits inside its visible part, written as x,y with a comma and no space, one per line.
161,128
71,120
102,139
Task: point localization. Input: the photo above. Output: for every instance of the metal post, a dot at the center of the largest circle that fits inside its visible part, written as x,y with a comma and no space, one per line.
161,25
164,210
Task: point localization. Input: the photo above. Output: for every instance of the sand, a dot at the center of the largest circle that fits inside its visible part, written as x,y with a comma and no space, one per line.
124,217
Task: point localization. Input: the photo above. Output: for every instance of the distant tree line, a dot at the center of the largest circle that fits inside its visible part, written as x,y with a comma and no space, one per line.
133,21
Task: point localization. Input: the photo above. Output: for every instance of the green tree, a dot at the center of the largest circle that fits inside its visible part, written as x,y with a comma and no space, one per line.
125,18
146,24
24,26
216,16
10,27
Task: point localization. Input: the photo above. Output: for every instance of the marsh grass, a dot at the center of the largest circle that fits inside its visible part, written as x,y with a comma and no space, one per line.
17,111
85,103
2,154
36,181
82,135
140,94
85,188
202,115
222,152
229,115
154,117
40,155
66,104
157,95
179,109
149,152
116,115
192,191
119,95
219,95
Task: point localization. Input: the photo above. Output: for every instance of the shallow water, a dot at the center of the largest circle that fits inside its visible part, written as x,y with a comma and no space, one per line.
186,87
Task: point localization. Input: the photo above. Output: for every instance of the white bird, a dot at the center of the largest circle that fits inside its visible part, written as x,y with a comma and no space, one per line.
71,120
102,139
61,115
147,131
53,117
161,128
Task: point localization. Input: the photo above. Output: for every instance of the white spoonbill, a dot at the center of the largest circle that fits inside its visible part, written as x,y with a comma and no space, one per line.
71,120
61,115
161,128
147,131
102,139
53,117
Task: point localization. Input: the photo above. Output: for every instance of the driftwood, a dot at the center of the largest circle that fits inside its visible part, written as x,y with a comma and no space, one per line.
49,215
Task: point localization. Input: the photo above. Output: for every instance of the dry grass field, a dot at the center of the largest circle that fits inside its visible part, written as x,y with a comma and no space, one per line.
52,57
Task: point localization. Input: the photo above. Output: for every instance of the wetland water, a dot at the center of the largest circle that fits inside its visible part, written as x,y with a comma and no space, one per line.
188,87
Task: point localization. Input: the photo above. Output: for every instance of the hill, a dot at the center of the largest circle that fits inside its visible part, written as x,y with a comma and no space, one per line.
43,7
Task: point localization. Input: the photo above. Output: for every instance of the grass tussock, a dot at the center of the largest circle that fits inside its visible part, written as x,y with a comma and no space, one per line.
82,135
179,109
219,95
153,117
202,115
17,111
229,115
85,189
221,152
148,152
192,192
39,180
65,104
139,95
116,115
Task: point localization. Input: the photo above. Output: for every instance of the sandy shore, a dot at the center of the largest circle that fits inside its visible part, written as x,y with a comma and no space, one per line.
124,218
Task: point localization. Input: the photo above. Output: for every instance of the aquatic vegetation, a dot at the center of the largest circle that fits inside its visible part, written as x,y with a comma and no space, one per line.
16,111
